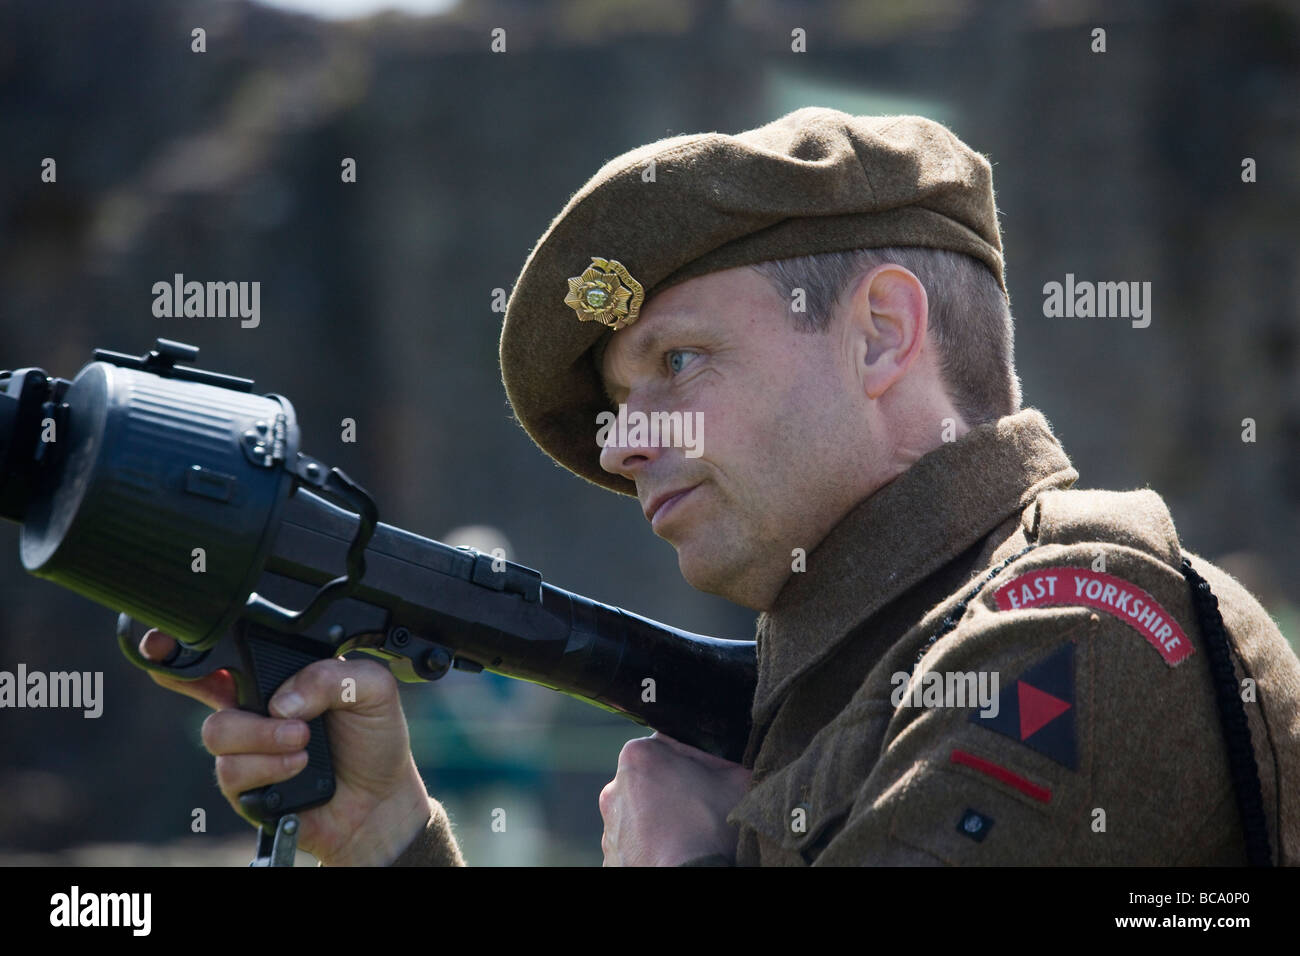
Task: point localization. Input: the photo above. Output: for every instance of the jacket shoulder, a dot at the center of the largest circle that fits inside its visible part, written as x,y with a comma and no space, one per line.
1134,519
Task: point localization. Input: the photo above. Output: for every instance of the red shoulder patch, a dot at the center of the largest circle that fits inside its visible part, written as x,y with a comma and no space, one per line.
1105,592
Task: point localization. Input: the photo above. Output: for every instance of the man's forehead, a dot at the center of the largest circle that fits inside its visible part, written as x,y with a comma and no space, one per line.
654,324
660,317
705,302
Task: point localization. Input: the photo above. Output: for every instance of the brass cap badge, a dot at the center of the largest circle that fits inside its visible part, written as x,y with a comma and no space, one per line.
605,293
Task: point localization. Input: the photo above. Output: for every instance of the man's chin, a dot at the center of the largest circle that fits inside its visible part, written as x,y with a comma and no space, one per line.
711,573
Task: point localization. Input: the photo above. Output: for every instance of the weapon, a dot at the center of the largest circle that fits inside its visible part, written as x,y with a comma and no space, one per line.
177,497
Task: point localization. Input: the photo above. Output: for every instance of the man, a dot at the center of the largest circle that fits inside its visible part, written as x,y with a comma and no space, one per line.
962,659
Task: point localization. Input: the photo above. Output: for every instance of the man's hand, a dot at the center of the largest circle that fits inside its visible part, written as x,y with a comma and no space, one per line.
668,803
379,805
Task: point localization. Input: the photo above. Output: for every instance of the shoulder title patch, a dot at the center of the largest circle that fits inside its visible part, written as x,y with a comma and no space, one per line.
1105,592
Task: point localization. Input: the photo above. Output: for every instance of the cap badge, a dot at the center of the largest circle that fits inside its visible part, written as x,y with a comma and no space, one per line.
605,293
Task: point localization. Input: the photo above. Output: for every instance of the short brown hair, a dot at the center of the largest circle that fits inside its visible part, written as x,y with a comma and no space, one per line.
970,316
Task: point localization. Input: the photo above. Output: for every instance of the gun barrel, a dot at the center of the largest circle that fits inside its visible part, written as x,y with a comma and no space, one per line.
499,616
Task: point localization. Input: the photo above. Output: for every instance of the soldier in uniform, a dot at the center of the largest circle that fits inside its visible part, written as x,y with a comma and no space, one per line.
962,657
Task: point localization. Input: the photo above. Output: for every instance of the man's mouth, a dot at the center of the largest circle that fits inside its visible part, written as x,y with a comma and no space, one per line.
661,505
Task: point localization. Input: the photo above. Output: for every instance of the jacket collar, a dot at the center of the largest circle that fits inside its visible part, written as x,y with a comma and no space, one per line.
943,504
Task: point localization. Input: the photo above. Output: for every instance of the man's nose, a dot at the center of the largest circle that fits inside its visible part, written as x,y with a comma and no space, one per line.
620,455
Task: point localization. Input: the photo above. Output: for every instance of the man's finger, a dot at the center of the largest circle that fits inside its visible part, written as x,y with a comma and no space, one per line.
358,685
217,690
156,644
686,750
240,732
239,772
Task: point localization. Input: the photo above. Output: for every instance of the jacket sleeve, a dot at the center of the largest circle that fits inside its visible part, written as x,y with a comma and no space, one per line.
1101,751
435,846
946,790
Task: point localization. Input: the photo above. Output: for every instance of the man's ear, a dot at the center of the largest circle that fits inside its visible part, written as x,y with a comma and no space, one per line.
886,317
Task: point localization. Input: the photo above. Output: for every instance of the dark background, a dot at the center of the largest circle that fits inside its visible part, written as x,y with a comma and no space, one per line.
377,304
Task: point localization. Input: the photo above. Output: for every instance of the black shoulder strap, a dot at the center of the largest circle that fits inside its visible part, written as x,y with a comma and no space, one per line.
1232,714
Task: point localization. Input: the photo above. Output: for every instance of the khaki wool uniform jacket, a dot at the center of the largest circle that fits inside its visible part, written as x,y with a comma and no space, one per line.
1107,745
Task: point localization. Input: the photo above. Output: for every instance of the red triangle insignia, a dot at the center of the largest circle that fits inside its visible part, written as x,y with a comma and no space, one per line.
1037,708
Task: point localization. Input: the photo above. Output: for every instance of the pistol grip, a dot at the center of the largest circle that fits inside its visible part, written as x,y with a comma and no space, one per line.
269,659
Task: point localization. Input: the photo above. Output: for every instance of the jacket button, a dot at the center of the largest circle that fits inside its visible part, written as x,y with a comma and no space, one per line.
974,825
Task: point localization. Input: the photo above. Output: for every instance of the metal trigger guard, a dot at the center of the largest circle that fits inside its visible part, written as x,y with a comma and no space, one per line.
183,662
336,485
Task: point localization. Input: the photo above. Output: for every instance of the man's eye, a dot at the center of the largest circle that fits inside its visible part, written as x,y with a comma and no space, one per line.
678,359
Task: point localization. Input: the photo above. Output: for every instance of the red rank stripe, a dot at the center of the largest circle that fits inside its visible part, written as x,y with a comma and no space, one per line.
1105,592
1027,787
